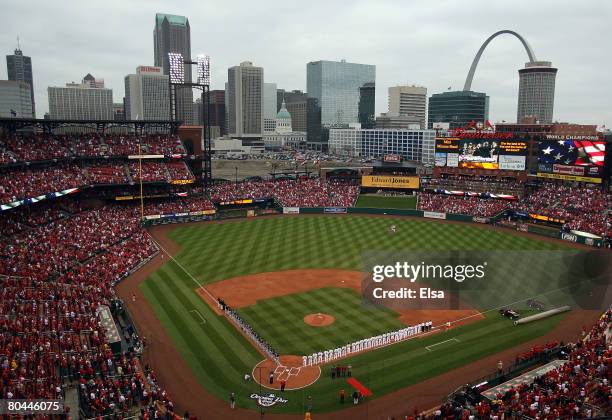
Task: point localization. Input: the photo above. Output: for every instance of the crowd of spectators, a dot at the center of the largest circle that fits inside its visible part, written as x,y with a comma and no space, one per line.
475,183
179,171
16,185
289,193
579,388
582,208
151,171
29,148
53,276
22,184
475,206
178,205
106,173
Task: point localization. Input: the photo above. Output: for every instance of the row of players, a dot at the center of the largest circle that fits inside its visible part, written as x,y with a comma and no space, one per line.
366,344
30,148
247,329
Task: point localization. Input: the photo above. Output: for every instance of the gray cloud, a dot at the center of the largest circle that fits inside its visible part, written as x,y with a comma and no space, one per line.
429,43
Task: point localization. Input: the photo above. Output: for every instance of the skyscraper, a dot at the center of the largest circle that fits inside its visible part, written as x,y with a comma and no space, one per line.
245,101
19,68
147,94
334,93
80,102
458,108
216,110
269,96
15,99
409,101
367,101
536,96
173,34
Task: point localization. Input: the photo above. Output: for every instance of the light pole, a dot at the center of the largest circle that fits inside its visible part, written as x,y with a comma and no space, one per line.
236,177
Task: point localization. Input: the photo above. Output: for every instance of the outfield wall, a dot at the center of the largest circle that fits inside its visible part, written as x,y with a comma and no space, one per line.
570,237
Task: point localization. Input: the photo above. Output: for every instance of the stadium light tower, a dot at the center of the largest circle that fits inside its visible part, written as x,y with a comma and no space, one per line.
177,81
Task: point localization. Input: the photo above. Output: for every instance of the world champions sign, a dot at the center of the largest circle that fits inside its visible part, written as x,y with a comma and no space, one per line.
407,182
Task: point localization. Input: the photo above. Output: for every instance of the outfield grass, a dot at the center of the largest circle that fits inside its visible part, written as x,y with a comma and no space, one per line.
381,202
218,354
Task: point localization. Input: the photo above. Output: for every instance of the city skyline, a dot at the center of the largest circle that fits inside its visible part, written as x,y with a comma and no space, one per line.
436,53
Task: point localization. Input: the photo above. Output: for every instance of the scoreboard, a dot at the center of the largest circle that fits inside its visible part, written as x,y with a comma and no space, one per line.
489,153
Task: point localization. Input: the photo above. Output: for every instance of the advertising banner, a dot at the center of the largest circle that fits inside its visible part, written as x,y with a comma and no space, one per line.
335,210
569,177
291,210
408,182
434,215
512,163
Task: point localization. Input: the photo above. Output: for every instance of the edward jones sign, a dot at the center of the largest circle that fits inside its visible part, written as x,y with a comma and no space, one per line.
408,182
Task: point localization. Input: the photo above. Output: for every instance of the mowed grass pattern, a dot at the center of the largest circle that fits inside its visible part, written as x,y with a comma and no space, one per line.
219,355
382,202
281,320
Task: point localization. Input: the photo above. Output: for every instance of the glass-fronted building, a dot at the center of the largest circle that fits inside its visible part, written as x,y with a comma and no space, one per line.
336,87
458,108
414,145
536,92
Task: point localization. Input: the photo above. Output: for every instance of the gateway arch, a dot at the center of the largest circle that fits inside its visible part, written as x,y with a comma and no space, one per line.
470,76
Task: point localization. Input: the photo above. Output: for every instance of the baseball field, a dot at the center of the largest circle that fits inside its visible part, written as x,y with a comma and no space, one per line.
279,271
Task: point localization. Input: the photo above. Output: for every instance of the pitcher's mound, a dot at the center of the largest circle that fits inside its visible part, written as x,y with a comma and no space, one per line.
319,320
290,370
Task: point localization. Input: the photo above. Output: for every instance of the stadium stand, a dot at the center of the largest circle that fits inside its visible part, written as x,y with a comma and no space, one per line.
579,388
40,147
475,206
289,193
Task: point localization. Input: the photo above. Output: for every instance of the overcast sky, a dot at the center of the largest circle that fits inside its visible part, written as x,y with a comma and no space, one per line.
428,43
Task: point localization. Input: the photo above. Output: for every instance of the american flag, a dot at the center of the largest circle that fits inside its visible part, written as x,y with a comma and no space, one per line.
573,152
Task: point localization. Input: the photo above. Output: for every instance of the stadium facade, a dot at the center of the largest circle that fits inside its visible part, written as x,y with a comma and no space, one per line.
414,145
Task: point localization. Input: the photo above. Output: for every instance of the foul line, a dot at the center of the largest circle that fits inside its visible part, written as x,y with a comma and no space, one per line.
200,315
181,267
442,342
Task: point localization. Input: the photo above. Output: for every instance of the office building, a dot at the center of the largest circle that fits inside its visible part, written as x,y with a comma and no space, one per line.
536,96
119,111
269,95
172,34
296,103
92,82
367,101
19,69
458,108
410,101
334,91
398,121
15,99
80,102
147,94
245,101
413,145
217,110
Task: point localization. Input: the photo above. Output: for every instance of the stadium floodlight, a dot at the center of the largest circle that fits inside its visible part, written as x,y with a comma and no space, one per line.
177,68
203,68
